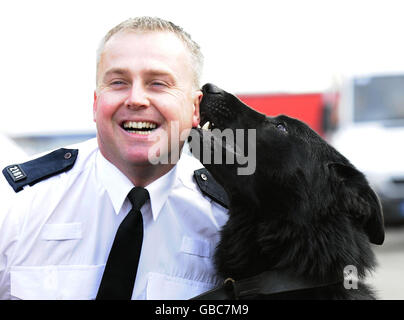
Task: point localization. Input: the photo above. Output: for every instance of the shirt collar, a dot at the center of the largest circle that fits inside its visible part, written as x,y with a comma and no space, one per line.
159,191
188,164
114,181
118,186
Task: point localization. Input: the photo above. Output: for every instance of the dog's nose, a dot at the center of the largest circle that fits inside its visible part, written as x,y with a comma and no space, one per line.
211,88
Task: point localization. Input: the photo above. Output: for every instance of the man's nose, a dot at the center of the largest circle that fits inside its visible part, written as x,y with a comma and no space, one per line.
137,97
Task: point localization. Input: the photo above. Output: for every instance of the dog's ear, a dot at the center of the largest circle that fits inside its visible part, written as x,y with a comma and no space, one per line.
359,200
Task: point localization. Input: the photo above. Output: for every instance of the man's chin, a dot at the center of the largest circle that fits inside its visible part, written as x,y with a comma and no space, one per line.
139,159
149,157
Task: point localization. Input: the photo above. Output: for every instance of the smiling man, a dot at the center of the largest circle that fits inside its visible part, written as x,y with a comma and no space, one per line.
62,214
145,85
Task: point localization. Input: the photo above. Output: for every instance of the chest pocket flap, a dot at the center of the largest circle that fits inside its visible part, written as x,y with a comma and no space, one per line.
62,231
198,247
79,282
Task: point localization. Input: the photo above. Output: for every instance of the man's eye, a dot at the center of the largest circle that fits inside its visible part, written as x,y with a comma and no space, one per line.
281,127
158,83
117,83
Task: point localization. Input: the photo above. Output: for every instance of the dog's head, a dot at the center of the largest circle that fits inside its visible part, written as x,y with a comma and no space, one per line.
289,170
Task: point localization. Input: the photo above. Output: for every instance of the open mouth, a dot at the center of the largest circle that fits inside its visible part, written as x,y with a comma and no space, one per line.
139,127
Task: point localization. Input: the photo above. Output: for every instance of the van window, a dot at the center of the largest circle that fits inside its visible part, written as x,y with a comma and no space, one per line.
378,98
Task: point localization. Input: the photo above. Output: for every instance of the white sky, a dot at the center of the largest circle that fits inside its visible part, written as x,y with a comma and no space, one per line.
47,55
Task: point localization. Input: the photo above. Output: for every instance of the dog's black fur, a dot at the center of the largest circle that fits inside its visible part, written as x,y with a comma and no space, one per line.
305,209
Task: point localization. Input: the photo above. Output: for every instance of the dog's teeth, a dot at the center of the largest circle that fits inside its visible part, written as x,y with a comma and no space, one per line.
198,126
206,126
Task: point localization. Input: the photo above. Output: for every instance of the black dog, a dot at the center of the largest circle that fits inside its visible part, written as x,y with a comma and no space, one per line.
300,221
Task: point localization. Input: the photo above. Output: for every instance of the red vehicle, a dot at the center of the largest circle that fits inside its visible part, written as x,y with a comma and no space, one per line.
314,109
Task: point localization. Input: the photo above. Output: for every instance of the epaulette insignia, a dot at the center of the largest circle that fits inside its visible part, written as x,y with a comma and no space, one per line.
34,171
210,187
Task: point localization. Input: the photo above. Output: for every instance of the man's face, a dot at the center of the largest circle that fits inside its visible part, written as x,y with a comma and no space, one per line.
143,78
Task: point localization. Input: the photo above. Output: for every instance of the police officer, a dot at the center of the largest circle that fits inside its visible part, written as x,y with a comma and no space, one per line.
60,212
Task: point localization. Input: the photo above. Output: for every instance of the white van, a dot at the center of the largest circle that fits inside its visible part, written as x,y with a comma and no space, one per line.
371,135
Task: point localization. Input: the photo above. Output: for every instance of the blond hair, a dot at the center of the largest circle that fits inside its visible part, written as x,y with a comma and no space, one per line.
153,24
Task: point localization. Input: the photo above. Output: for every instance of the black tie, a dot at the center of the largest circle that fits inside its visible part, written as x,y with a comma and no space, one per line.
121,268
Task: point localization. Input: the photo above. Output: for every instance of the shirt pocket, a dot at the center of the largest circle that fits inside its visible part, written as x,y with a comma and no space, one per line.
75,282
197,247
62,231
165,287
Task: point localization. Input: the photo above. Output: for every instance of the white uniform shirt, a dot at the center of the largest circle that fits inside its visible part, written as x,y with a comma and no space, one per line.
55,236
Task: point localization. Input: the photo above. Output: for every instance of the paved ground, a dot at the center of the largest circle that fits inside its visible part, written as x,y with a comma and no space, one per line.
389,276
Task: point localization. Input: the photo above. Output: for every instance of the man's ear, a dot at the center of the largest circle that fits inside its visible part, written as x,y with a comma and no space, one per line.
197,98
95,105
359,200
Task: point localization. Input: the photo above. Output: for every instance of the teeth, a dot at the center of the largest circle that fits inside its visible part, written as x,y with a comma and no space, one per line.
206,126
140,132
139,125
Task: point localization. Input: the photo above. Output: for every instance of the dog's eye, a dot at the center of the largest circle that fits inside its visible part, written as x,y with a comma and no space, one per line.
282,127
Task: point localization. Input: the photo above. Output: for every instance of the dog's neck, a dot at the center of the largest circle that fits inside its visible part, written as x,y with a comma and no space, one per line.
250,246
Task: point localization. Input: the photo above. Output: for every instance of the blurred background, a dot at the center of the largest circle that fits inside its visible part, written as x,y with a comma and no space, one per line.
337,65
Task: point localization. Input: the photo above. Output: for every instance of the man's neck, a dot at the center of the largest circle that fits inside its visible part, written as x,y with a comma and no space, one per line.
141,176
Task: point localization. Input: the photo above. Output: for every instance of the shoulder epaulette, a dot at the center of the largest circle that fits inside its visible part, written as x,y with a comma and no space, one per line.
210,187
34,171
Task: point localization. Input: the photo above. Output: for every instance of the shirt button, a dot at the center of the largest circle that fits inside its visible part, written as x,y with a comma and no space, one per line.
204,176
